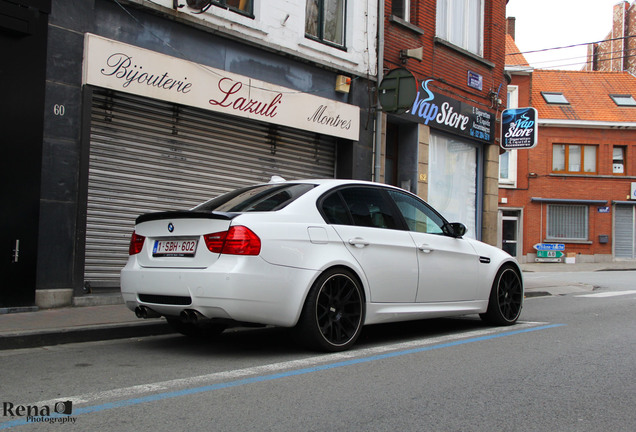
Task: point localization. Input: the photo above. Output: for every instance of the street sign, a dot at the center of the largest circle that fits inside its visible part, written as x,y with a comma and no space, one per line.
548,260
549,254
549,247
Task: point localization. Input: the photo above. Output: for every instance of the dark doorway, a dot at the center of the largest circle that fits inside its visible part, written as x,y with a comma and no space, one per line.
23,39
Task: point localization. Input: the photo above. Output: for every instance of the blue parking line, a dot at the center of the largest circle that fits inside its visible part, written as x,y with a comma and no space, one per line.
275,376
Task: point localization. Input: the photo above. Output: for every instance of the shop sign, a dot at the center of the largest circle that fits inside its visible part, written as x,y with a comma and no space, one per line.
127,68
518,128
456,117
604,209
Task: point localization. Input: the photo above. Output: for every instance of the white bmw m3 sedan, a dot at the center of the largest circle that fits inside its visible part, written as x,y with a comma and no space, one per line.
323,256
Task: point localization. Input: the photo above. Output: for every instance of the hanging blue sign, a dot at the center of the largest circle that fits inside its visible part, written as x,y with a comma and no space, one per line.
519,128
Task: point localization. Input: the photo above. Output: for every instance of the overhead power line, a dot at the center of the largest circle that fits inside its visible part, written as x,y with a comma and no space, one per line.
571,46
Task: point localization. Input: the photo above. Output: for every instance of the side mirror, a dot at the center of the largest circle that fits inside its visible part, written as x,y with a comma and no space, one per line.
456,229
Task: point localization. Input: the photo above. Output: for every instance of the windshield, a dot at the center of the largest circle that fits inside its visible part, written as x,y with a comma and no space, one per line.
269,197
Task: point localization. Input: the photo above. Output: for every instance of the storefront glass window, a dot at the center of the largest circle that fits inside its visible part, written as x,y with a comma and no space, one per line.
452,187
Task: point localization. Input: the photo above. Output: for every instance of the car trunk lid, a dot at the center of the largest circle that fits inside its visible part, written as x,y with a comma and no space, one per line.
176,239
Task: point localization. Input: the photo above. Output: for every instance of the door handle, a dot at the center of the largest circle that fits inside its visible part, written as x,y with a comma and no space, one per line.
425,248
358,242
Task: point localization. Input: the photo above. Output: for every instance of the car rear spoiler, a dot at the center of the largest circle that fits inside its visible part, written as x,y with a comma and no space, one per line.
184,214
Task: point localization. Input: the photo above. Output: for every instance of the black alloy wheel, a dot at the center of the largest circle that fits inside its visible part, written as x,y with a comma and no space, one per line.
333,314
506,298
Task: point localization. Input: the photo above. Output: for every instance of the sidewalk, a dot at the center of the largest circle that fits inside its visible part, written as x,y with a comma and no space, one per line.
114,321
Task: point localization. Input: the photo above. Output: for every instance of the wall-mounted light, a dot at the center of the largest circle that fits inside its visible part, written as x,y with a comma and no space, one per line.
343,84
414,53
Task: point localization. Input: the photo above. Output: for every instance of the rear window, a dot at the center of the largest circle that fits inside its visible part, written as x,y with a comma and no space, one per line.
269,197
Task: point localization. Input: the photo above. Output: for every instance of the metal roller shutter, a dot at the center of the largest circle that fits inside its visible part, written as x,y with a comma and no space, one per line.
147,155
625,231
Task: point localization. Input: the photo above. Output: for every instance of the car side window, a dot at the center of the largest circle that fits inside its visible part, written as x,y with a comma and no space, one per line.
418,216
369,207
334,210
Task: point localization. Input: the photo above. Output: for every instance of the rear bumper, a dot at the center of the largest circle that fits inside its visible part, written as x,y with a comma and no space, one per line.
246,289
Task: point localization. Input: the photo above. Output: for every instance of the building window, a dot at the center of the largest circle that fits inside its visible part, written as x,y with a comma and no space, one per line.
508,160
512,101
453,164
623,100
325,21
404,9
555,98
508,168
244,7
574,159
567,222
618,160
461,22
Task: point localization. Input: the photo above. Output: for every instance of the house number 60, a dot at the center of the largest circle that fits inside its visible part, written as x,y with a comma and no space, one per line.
58,110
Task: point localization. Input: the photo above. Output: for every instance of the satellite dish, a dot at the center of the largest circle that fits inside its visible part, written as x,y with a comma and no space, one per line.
397,91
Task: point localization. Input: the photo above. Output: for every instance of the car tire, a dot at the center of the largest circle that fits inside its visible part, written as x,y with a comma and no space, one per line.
506,298
333,314
196,330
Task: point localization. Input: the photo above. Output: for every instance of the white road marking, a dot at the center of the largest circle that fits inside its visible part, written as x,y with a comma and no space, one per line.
273,368
608,294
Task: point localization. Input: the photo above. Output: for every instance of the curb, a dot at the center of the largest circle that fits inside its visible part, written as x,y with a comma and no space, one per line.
93,333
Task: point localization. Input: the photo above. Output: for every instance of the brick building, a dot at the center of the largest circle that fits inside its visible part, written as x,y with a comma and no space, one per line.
577,186
444,147
617,52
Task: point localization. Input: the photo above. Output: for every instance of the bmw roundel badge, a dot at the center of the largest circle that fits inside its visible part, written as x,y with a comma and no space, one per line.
170,227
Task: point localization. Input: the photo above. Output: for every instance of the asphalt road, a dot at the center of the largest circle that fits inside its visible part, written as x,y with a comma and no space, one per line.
570,365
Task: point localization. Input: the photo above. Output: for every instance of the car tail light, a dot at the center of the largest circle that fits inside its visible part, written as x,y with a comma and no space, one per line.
215,241
238,240
136,244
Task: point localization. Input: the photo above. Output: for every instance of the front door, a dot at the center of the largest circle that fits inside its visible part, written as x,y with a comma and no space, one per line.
510,232
448,266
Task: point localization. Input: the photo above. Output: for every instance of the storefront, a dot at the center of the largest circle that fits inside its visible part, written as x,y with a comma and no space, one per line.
168,134
439,146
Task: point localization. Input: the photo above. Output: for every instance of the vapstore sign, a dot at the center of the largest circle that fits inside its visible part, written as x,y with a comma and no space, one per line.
519,128
118,66
441,112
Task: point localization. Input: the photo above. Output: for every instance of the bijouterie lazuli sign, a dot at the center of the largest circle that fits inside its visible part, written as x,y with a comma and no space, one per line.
118,66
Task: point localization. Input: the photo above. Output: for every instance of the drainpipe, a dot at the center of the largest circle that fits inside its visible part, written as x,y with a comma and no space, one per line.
378,118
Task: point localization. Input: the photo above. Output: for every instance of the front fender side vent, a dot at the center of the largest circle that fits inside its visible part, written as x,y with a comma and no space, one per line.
484,260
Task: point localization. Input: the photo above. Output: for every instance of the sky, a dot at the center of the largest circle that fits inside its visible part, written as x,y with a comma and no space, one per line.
543,24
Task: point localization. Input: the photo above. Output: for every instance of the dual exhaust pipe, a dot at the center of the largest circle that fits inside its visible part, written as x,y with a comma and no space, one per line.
145,312
191,316
187,316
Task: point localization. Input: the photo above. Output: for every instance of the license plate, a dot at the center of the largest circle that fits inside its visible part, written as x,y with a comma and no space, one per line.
174,248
